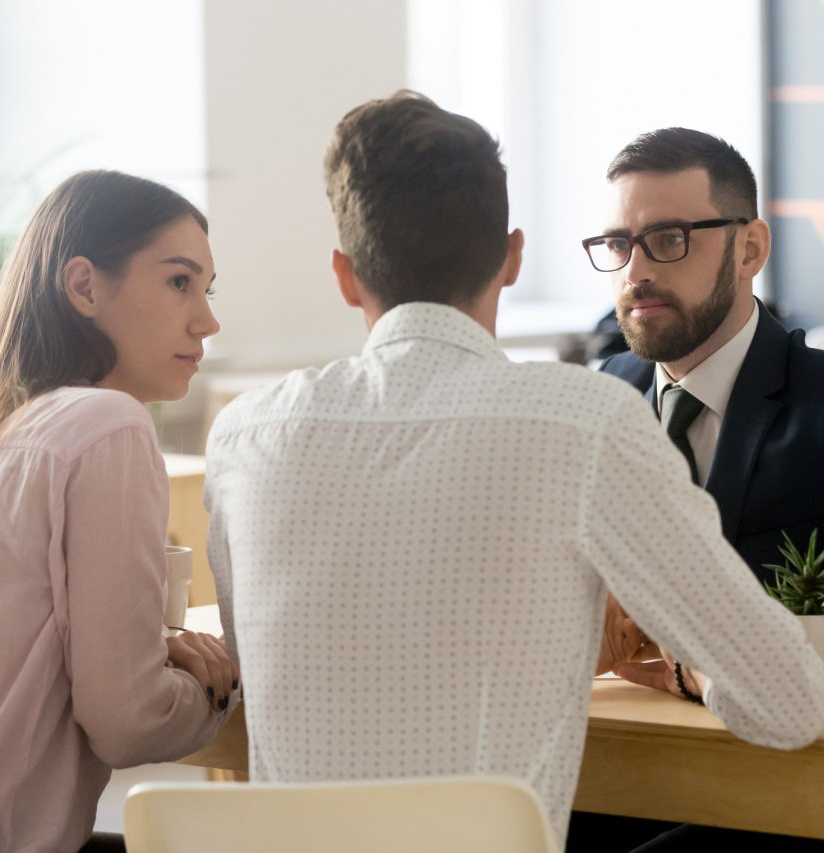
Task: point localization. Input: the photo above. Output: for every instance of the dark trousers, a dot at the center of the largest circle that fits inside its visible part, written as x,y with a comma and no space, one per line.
594,832
104,842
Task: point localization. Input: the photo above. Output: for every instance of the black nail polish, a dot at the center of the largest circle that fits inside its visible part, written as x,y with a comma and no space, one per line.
234,684
223,703
210,692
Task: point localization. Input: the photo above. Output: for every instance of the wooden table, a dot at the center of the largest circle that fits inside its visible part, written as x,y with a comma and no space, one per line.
649,754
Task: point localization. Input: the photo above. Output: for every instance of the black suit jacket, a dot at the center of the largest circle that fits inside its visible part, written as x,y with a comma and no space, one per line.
767,474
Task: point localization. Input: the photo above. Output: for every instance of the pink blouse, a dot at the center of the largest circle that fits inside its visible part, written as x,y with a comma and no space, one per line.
83,681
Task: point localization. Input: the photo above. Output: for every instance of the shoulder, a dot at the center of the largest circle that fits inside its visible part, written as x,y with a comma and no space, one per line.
803,357
267,404
772,344
805,379
553,393
70,420
98,408
778,359
630,368
357,389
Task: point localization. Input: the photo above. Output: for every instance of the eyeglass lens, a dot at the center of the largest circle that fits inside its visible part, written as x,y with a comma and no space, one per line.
665,245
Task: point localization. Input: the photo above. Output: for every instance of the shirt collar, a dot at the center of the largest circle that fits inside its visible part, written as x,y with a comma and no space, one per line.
711,381
435,322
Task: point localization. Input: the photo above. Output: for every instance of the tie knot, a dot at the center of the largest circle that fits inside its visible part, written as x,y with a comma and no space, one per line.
678,410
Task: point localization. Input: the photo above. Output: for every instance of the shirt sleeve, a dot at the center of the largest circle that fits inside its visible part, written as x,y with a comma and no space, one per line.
133,708
218,547
656,540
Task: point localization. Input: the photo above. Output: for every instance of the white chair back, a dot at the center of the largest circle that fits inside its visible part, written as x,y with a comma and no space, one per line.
445,815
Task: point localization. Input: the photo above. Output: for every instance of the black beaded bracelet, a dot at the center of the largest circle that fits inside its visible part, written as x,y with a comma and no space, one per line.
687,694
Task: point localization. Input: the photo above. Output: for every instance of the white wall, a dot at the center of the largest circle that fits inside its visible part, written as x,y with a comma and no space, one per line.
95,84
279,75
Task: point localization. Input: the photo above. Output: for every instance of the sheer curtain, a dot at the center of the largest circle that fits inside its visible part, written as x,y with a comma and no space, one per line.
564,86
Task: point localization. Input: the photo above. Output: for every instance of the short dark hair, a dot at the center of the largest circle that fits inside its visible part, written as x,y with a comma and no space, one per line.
419,196
673,149
100,215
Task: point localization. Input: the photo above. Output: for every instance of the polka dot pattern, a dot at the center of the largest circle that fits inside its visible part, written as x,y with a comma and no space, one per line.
412,550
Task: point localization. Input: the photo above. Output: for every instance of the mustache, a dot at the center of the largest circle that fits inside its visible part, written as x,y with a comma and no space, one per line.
644,291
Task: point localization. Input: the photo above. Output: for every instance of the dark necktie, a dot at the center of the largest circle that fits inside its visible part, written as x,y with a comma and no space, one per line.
678,410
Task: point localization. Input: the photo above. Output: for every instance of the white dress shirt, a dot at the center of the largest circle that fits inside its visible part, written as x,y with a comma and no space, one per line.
412,550
711,382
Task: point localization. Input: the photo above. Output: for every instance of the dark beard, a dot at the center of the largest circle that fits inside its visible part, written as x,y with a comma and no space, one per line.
687,331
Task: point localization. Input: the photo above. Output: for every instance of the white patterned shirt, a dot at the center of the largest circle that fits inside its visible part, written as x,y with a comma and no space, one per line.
412,550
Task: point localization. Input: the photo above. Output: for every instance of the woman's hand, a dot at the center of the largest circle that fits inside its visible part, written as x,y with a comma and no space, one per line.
205,657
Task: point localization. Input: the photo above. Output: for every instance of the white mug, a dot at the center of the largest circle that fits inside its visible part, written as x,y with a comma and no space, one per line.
179,564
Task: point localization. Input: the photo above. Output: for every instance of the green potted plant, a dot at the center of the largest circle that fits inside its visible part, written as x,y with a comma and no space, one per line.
799,586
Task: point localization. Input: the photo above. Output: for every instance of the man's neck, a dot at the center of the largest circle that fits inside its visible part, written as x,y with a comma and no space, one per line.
732,324
483,310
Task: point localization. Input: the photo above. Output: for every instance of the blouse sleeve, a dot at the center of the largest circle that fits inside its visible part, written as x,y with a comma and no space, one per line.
133,708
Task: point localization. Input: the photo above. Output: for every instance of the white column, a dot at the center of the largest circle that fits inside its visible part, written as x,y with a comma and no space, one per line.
279,75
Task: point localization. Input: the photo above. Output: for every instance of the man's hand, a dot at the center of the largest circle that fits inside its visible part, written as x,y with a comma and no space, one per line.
660,675
205,657
623,641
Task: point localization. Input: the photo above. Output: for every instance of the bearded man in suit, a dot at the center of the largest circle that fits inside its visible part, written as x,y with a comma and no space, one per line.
683,244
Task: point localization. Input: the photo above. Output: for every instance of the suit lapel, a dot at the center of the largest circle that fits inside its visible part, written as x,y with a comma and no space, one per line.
751,410
652,395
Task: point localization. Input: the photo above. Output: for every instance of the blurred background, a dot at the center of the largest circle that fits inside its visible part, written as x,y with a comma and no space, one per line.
233,102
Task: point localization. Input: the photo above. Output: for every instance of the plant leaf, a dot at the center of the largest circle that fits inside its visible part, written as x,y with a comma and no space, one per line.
799,583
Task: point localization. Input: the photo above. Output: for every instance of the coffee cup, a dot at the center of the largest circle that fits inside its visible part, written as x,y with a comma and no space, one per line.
179,565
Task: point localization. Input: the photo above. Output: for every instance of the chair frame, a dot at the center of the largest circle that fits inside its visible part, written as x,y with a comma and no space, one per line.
448,814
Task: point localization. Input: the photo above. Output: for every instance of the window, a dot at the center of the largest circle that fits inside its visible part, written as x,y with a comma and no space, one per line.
91,84
564,86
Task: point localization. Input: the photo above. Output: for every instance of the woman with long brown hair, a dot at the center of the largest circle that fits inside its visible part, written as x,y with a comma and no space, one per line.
103,308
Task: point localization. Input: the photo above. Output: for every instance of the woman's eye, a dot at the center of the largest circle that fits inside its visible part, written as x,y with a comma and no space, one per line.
210,293
180,282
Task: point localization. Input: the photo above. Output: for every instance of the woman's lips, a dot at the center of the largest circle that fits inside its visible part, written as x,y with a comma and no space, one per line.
190,360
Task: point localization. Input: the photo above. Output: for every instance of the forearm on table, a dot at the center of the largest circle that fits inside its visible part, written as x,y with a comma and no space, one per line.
123,695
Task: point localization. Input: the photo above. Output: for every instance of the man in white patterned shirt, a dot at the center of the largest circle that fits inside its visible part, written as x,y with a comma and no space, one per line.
412,547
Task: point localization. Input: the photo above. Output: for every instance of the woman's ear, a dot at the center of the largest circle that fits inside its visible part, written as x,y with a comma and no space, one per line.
79,286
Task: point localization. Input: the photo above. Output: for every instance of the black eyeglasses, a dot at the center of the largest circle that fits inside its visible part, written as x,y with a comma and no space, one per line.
664,244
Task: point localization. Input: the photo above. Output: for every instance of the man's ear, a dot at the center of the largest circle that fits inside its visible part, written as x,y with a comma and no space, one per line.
78,285
756,248
345,274
514,254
